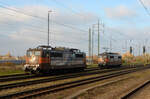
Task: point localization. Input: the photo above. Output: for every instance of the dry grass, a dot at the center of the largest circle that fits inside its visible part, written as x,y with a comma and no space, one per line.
136,60
11,69
92,65
7,64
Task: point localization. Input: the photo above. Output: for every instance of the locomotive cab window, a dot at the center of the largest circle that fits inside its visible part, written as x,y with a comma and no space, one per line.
29,53
37,53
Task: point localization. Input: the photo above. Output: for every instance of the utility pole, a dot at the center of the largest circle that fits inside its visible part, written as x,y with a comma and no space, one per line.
139,48
126,45
90,45
92,41
98,27
133,51
48,27
110,43
98,39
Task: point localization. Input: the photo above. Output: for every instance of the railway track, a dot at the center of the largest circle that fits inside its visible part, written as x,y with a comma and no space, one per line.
50,79
66,85
14,75
27,76
135,90
17,78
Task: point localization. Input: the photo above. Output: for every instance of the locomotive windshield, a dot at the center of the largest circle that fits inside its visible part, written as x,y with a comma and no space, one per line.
36,53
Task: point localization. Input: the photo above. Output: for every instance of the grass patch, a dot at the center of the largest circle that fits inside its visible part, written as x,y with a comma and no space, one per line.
12,69
92,65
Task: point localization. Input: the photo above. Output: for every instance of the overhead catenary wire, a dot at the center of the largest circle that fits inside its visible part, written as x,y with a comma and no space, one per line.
39,17
54,40
23,23
41,31
18,11
32,16
42,18
29,28
62,41
32,27
146,9
37,31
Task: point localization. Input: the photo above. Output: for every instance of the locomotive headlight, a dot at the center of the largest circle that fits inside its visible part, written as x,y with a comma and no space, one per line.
37,65
33,59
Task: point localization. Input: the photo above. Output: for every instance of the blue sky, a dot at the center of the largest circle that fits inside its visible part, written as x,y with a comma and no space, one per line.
125,21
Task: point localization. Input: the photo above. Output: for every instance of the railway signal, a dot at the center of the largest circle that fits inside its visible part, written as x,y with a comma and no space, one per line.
131,50
144,49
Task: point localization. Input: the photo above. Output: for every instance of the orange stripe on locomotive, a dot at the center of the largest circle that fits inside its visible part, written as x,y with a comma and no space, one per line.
44,60
27,59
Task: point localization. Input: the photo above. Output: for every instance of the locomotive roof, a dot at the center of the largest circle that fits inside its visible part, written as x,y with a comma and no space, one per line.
109,53
44,47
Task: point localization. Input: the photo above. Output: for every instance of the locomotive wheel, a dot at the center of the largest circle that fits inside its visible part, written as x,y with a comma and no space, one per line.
37,72
33,72
119,66
82,69
101,66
